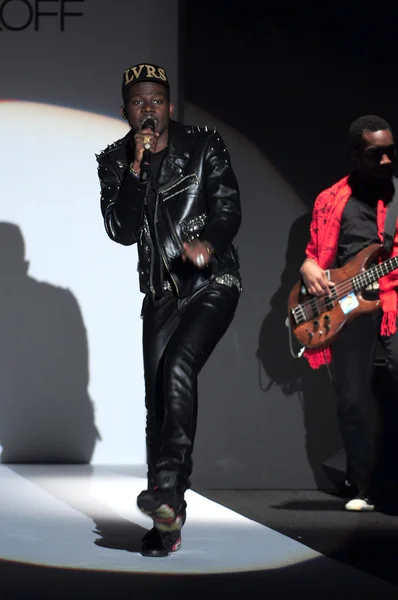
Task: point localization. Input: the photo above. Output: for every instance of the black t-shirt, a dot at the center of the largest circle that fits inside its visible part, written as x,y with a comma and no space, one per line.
156,161
358,228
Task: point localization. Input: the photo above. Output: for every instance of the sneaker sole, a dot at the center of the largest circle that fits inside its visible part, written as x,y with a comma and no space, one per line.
360,508
176,546
161,553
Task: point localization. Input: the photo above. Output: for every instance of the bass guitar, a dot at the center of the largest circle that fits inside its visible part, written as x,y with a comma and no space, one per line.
316,321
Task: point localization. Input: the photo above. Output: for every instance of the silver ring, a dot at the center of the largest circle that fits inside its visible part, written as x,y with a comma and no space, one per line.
200,260
147,146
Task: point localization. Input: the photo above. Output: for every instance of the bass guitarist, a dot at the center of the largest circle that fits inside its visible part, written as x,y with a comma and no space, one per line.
348,217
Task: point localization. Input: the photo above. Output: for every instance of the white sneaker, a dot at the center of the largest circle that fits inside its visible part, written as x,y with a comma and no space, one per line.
359,504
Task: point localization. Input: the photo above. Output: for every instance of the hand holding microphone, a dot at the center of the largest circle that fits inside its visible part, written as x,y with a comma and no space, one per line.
145,143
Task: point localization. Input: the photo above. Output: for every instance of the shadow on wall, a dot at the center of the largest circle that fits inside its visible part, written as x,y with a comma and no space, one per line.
46,414
274,433
266,420
294,376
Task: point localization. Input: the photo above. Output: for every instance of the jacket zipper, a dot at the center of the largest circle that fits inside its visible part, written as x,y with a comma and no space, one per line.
170,184
161,249
175,182
162,190
151,287
148,234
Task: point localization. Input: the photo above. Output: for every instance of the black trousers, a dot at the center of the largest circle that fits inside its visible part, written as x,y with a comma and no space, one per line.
178,337
352,370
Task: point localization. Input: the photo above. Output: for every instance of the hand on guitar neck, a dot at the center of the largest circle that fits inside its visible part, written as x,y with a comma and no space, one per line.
315,279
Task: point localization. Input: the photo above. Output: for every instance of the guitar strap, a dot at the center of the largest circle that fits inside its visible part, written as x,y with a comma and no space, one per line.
390,223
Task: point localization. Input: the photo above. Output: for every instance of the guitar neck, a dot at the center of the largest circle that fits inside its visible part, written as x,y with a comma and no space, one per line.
374,273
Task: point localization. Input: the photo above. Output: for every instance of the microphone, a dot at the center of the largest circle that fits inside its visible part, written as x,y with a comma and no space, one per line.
145,170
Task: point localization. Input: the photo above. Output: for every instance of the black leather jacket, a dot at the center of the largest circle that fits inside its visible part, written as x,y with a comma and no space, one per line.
196,196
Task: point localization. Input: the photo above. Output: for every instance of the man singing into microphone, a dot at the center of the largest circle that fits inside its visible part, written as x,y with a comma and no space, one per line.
180,203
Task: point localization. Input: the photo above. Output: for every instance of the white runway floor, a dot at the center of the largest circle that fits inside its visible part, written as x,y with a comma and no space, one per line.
85,518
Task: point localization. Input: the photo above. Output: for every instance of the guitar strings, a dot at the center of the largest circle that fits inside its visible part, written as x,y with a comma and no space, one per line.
341,289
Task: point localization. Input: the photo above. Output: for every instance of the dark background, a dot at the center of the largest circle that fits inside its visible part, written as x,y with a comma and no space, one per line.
292,76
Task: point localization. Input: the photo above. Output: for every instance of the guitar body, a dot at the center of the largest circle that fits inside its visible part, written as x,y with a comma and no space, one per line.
316,321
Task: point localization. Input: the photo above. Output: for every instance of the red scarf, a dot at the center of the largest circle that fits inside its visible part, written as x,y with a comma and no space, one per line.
322,247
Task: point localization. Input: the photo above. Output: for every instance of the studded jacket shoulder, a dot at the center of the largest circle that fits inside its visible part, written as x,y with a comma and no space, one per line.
196,195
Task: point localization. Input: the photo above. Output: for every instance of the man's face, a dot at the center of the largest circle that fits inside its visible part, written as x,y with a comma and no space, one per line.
376,157
149,100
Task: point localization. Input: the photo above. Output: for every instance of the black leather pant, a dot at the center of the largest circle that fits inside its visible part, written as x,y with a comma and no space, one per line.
178,337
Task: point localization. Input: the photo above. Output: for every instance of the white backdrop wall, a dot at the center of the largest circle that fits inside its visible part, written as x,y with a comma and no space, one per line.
72,385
